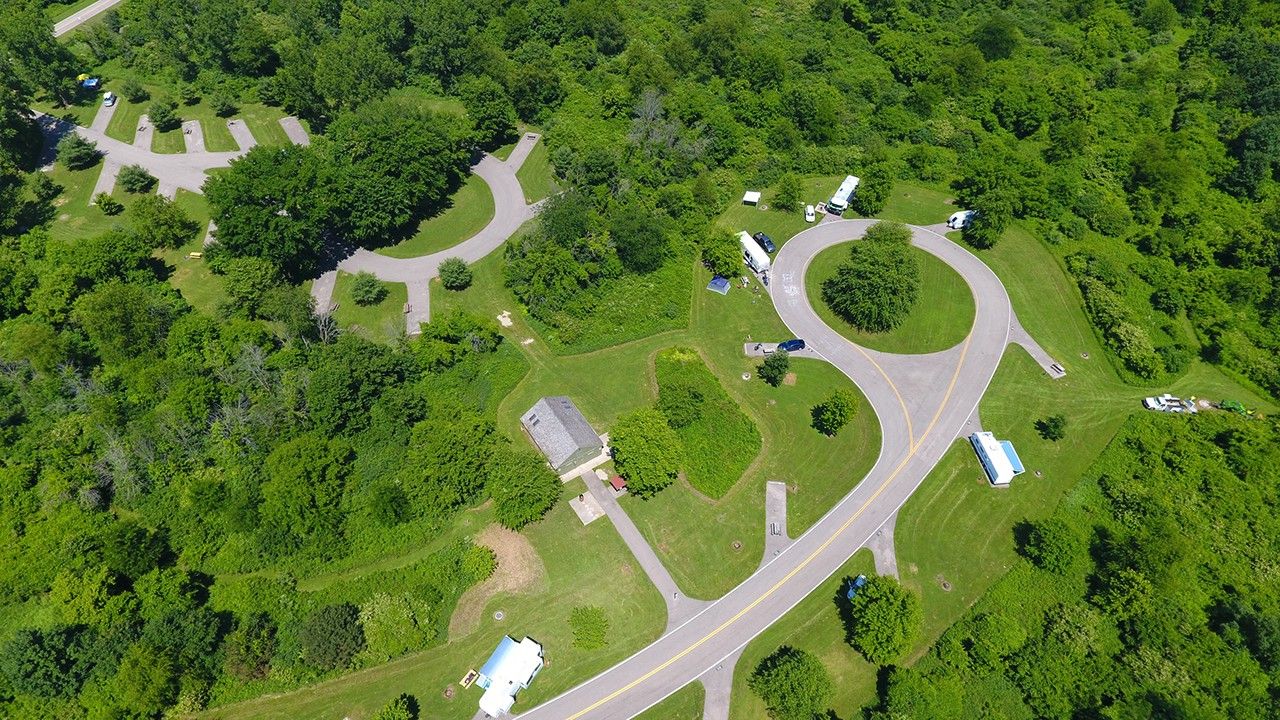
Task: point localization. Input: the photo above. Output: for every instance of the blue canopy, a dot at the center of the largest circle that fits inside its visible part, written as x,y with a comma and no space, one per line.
718,284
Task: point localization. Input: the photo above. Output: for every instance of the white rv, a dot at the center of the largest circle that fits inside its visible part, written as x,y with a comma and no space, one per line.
961,220
840,201
752,253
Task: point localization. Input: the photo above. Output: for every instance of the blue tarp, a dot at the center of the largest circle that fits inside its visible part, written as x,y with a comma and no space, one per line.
90,83
718,284
1013,456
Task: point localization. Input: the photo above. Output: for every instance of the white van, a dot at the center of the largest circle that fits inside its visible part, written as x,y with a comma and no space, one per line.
752,253
840,201
961,220
109,99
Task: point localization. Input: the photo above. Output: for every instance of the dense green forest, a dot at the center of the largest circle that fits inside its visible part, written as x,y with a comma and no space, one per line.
166,473
1150,593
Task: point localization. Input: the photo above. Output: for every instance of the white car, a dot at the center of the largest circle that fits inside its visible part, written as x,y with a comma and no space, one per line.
109,99
961,220
809,214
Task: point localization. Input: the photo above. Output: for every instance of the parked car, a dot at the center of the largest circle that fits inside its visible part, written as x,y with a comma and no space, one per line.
809,214
791,345
766,242
1169,403
961,220
109,99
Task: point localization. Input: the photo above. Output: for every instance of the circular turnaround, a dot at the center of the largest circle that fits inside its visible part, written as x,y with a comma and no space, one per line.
939,319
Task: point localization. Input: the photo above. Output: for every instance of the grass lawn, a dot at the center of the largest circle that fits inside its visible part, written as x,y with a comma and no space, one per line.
193,278
941,317
571,554
692,534
469,210
917,204
813,625
169,142
75,217
777,224
264,123
383,321
536,175
217,138
684,704
426,100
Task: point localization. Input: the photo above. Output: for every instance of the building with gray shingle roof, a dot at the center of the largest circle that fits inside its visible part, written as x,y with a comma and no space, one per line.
561,432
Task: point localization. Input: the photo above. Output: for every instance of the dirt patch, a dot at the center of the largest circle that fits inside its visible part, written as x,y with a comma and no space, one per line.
520,569
790,379
504,318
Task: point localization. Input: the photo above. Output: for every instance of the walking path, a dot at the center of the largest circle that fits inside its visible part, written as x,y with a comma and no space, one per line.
679,607
510,212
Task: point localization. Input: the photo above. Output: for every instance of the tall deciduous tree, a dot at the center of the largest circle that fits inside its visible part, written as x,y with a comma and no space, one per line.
647,451
876,289
522,487
793,684
274,203
490,110
884,618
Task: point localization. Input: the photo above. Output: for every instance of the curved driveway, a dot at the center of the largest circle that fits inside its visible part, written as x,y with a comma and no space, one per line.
922,401
510,212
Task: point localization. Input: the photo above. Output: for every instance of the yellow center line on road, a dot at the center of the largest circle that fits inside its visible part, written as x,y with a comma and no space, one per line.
964,351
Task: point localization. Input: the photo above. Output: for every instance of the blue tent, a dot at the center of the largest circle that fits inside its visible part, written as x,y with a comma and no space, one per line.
718,284
90,83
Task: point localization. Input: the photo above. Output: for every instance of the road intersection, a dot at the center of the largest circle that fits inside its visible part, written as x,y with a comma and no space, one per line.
923,403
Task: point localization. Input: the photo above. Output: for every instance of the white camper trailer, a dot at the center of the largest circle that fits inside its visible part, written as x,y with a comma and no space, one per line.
839,202
752,253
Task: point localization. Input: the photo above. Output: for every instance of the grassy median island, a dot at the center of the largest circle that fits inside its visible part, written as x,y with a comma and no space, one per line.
382,320
940,319
719,440
469,209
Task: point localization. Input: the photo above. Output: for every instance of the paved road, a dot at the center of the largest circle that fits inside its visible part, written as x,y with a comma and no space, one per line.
510,212
922,402
75,20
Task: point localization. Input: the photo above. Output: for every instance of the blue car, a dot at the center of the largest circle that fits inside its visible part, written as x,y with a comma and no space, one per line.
791,345
854,586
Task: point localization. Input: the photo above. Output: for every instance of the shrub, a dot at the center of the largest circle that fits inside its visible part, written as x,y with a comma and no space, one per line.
787,192
135,179
188,94
1053,545
331,636
223,103
454,274
395,624
44,188
834,412
76,153
404,707
108,204
680,403
164,115
162,223
793,684
590,627
133,91
774,369
250,646
478,563
367,289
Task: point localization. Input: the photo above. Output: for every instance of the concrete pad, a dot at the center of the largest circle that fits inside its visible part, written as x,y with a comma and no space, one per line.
142,139
193,136
106,179
418,312
322,291
718,683
587,508
293,128
242,134
882,548
167,190
209,233
1020,337
522,149
775,520
103,118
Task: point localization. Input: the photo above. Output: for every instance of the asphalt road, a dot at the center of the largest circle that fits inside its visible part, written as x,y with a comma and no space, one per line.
922,402
75,20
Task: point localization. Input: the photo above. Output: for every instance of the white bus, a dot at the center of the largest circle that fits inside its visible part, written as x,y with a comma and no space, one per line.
752,253
840,201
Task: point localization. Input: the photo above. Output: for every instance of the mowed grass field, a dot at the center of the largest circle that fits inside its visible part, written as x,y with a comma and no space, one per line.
469,209
940,318
536,175
580,566
684,704
695,535
381,321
